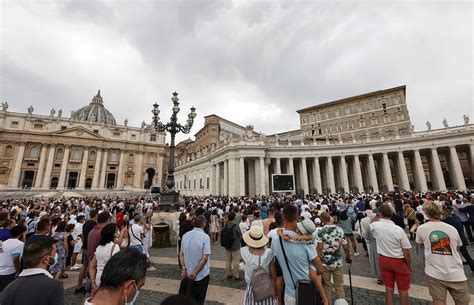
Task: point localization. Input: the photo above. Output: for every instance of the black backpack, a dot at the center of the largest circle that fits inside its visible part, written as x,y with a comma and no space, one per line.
227,236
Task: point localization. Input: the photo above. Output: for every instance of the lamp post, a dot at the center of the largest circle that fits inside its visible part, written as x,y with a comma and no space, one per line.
170,197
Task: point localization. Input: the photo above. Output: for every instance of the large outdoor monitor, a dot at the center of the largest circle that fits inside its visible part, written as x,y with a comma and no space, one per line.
283,183
155,189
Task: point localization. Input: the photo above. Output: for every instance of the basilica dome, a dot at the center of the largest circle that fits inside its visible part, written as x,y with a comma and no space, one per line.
95,112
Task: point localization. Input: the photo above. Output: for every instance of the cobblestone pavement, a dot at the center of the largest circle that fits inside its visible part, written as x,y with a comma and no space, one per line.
146,297
360,265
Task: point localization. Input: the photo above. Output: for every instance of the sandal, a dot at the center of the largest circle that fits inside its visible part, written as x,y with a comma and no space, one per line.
380,282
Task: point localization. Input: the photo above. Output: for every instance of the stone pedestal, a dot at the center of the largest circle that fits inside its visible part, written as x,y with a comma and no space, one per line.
171,219
169,201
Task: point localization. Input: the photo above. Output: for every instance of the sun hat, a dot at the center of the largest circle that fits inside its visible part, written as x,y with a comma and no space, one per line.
317,221
306,226
340,302
255,238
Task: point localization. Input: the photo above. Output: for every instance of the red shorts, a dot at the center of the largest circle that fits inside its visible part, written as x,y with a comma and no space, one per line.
395,270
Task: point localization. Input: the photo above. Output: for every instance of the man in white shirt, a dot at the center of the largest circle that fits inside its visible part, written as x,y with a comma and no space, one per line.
393,248
443,264
136,234
12,251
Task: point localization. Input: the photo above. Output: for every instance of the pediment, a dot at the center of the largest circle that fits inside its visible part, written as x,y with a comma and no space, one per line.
78,132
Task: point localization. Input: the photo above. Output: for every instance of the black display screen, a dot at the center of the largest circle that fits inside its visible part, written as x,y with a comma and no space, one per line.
283,183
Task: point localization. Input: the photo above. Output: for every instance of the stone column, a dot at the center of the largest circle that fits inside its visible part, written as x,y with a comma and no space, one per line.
241,176
218,179
42,162
95,179
49,167
103,171
226,177
212,180
358,174
278,166
159,172
15,177
330,175
261,162
471,164
420,178
291,169
437,172
404,184
343,174
62,175
373,174
304,176
82,177
137,183
317,175
121,170
459,182
386,172
232,180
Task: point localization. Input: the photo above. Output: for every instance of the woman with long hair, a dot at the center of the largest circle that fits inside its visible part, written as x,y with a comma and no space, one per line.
59,235
106,249
214,227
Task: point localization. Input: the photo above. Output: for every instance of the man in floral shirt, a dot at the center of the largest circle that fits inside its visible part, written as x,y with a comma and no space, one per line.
329,240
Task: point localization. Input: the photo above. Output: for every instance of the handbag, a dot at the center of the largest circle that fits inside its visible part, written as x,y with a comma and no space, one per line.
305,291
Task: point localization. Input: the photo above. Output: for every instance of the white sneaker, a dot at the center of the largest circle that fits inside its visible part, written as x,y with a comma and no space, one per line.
76,267
356,254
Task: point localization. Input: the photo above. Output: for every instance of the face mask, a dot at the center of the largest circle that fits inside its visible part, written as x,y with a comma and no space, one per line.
53,260
134,298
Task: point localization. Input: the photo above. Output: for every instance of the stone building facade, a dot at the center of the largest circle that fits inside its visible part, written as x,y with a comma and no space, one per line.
368,161
87,151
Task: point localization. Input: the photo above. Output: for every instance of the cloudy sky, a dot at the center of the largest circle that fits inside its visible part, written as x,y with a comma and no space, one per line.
249,62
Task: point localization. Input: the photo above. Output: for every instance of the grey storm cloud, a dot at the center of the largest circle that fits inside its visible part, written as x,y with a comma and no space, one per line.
249,62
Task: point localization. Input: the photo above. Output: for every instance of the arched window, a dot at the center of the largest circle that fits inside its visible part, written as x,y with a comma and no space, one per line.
76,154
59,154
113,156
34,152
8,151
130,158
92,156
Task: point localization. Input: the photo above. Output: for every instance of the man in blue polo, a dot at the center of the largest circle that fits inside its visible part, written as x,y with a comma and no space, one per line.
295,266
194,257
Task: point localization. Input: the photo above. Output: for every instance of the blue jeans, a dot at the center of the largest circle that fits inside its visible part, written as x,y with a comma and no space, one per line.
138,248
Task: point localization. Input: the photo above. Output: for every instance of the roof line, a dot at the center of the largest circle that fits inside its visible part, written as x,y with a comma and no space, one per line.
352,97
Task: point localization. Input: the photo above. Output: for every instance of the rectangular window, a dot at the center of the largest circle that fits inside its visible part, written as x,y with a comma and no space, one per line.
63,127
91,166
200,184
348,110
37,126
350,125
318,117
153,138
396,100
96,131
194,183
326,115
134,136
360,108
207,183
337,113
116,134
371,105
15,124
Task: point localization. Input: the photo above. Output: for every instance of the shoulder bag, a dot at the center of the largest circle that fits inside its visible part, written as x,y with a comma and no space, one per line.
305,291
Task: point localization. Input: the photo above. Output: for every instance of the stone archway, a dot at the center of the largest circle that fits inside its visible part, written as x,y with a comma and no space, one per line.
149,175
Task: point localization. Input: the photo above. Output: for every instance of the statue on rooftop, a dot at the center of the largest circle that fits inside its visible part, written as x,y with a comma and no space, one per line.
5,106
60,113
30,110
428,125
466,120
445,123
52,112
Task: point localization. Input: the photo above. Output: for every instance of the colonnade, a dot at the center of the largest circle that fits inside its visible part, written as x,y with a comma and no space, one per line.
125,170
423,169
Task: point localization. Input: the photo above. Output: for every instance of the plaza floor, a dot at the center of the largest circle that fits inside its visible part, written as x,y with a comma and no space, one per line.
163,279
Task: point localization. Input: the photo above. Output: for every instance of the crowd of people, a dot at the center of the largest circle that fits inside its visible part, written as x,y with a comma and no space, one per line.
297,239
287,246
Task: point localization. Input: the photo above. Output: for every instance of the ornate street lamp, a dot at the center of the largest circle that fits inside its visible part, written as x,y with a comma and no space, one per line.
170,197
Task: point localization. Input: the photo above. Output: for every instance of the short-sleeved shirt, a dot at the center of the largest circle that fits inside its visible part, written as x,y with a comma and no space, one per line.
135,233
332,237
86,228
194,245
299,258
442,259
5,234
11,248
391,239
251,261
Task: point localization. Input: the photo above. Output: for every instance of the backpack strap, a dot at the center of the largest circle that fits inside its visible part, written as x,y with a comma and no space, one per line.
286,261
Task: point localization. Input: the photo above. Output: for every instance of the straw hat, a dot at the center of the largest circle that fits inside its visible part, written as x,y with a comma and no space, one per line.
255,238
